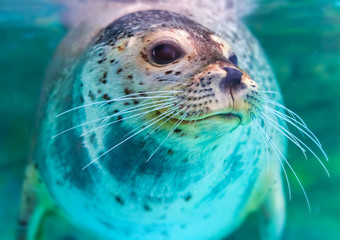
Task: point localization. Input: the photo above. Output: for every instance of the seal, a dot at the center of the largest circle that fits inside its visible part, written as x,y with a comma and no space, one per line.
152,128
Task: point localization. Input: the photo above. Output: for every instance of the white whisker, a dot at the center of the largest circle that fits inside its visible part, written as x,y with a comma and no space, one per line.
134,108
126,139
171,131
110,123
285,108
264,134
291,168
291,138
293,121
123,98
276,126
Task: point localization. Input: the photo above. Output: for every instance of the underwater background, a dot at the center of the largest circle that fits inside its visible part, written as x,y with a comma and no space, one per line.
302,41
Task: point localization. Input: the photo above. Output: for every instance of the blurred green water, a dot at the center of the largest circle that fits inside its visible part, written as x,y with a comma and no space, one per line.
302,40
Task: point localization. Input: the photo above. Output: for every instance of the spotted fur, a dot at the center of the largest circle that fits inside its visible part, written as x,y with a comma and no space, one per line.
205,178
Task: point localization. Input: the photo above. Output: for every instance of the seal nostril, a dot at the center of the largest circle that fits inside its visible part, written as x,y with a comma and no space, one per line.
233,78
233,75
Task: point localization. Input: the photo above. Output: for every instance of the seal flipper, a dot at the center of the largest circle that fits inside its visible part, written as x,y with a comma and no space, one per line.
40,218
272,213
33,206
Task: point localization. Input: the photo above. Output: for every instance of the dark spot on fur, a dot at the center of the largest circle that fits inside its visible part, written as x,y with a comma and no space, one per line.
130,77
119,70
115,111
188,197
81,99
101,60
126,103
91,95
93,138
146,207
177,130
106,97
170,151
128,91
112,61
135,102
119,118
144,56
119,200
177,73
168,72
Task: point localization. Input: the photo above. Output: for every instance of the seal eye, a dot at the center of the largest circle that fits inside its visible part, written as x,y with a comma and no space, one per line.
165,53
233,59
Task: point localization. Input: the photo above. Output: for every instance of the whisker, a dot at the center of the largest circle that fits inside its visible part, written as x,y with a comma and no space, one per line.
170,117
174,19
291,138
293,121
276,126
146,98
107,117
172,109
288,164
171,131
123,98
264,134
139,114
266,146
285,108
126,139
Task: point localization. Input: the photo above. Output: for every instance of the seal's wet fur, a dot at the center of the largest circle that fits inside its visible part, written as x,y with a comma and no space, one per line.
201,184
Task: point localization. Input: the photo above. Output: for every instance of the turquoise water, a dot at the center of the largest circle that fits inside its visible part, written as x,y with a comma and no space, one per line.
302,42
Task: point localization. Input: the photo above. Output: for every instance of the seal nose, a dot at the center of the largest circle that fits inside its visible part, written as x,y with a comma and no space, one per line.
233,76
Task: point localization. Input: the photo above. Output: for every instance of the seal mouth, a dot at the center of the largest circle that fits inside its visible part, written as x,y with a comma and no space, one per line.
225,117
222,116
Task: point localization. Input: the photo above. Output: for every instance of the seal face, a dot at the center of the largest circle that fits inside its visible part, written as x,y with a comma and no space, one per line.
188,59
168,147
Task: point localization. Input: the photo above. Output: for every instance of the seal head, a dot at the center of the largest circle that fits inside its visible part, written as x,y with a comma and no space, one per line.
163,51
